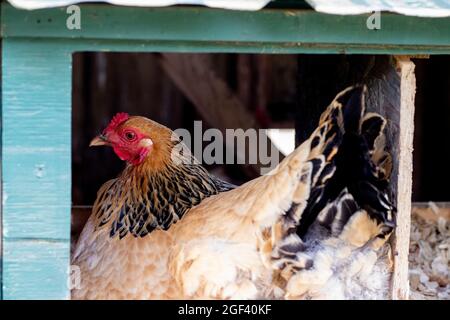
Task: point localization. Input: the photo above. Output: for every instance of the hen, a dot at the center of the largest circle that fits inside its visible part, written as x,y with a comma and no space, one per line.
312,228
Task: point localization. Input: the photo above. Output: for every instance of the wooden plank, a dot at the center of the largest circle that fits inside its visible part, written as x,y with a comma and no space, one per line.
1,185
391,93
400,278
125,45
35,269
278,30
36,158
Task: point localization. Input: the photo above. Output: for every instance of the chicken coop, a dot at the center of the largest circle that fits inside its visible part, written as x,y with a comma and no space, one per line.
340,43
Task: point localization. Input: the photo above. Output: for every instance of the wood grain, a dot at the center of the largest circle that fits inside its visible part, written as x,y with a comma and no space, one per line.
35,269
391,90
36,157
400,278
391,93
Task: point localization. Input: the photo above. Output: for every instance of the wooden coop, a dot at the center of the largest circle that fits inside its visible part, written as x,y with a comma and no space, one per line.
37,50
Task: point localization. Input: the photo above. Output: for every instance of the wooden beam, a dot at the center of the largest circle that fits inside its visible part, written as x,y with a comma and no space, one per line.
400,278
392,87
1,187
205,29
36,170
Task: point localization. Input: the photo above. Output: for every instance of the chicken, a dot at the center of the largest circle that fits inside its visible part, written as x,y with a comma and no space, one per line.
311,228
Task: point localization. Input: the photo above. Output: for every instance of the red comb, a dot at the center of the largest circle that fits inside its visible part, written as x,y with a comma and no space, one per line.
117,120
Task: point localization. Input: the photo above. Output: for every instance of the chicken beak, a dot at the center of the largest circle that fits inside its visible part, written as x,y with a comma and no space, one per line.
99,141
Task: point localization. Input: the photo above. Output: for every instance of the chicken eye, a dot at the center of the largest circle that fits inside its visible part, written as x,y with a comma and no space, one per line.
130,135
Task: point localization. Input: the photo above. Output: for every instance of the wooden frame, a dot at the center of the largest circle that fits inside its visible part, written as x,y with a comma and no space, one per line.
187,29
36,59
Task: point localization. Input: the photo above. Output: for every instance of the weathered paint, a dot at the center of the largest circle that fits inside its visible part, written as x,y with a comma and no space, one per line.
294,31
1,184
35,269
36,166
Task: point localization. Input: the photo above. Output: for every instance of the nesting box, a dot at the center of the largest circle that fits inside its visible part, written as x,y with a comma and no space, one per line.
36,85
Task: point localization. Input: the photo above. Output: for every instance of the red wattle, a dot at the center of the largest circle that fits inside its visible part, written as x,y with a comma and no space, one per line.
134,158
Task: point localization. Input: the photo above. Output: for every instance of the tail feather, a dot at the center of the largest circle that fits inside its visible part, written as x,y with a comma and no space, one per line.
337,213
347,181
352,106
357,176
372,126
288,254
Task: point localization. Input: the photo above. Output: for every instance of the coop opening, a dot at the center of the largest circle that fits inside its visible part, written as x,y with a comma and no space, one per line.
281,96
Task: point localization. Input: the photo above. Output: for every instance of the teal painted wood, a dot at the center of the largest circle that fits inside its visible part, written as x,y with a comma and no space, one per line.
36,166
35,269
77,45
1,184
205,29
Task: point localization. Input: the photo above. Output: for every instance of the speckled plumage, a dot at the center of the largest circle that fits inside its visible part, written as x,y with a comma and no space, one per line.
213,252
166,229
